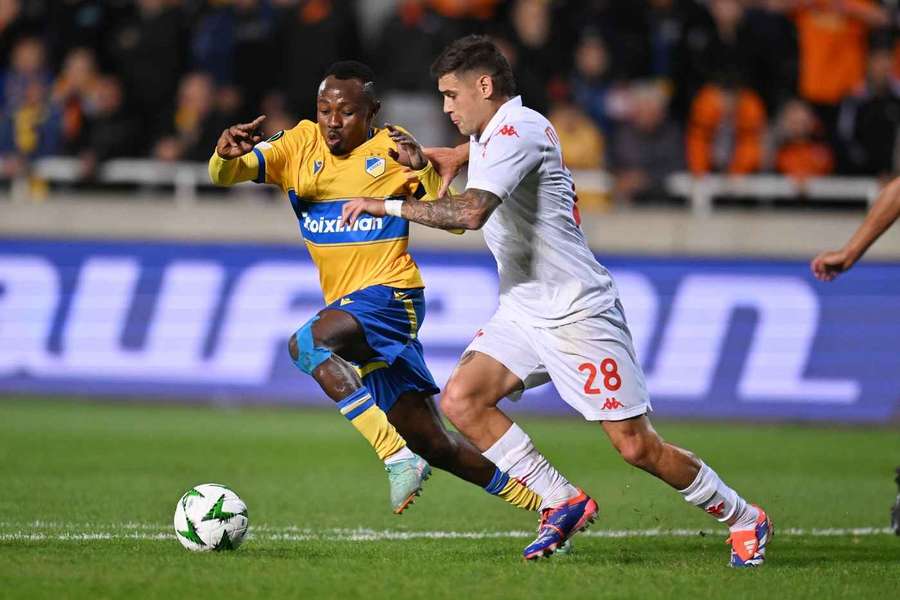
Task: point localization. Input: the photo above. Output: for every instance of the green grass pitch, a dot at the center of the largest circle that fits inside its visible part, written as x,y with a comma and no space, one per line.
87,493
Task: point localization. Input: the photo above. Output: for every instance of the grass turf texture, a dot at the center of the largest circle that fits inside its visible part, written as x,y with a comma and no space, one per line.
77,468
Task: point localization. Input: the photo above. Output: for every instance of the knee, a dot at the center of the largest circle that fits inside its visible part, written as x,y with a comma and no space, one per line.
305,350
458,402
641,451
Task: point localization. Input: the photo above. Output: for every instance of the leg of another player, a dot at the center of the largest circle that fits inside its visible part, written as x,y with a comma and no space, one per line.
416,418
641,446
470,400
338,336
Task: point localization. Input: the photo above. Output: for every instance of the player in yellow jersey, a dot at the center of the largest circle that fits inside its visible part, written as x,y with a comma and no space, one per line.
363,347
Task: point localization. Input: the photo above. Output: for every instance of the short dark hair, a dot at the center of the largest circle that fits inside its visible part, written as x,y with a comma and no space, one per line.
353,69
476,53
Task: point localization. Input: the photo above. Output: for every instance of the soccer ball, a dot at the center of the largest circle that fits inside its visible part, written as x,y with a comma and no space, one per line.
210,517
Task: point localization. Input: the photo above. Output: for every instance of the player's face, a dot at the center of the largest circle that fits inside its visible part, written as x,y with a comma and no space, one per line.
466,101
344,113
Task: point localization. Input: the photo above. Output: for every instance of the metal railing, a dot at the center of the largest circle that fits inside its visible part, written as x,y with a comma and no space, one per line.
186,178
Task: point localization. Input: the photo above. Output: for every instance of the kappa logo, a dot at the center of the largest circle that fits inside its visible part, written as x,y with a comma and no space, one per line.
317,166
716,510
612,404
346,301
508,130
375,165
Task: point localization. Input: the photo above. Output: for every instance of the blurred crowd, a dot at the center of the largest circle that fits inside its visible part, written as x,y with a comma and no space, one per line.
640,88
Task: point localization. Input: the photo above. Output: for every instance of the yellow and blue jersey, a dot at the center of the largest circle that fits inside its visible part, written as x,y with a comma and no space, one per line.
319,183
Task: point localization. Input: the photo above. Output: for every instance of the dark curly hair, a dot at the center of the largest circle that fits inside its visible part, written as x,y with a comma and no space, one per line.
476,53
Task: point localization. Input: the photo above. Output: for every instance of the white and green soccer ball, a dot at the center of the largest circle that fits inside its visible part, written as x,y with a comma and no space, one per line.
210,517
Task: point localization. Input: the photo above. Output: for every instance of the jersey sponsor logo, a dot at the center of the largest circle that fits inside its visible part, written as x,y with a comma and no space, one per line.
277,136
317,166
321,223
375,165
508,130
336,225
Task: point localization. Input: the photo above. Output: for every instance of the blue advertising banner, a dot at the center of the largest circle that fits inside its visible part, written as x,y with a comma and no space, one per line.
733,339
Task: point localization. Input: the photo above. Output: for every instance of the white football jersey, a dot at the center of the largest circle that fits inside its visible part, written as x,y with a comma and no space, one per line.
548,275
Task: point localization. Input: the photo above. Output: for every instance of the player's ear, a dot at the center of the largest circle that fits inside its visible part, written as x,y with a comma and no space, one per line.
373,111
485,86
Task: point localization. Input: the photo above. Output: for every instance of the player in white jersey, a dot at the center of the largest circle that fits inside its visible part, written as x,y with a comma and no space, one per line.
559,317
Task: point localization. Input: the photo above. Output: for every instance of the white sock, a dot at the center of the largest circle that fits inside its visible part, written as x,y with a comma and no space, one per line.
515,455
720,501
401,454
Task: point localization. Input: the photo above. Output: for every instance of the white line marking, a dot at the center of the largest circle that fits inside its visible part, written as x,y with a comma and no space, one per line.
144,531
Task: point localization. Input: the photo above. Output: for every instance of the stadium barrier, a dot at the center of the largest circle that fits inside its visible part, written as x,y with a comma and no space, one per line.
719,339
187,178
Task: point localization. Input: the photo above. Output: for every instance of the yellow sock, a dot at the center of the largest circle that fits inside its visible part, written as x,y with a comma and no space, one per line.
513,491
361,410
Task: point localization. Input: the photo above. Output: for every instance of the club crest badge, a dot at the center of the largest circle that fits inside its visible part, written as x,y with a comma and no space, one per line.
317,166
374,166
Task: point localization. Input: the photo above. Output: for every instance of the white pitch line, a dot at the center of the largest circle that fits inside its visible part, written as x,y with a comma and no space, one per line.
294,534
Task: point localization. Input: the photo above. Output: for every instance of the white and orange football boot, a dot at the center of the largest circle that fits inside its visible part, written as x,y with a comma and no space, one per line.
748,546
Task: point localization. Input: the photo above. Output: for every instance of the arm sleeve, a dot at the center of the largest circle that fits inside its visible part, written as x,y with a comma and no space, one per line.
512,152
268,160
430,180
236,170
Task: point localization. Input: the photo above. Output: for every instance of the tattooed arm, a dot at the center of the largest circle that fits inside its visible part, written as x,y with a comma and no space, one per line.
469,210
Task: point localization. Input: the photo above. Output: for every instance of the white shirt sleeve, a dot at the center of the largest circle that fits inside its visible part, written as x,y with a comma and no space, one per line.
512,152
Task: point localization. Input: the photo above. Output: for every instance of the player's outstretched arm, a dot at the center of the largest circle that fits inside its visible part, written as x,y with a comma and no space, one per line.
886,210
236,142
469,210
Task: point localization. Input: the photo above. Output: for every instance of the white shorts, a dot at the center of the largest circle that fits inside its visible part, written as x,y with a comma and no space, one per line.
591,362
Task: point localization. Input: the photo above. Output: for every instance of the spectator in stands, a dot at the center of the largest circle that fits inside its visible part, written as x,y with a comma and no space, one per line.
111,131
582,144
312,35
870,118
725,130
30,123
278,118
411,37
715,44
74,24
667,23
30,129
27,66
12,27
71,91
534,90
802,150
832,38
592,80
531,32
773,52
232,42
197,123
648,145
148,49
